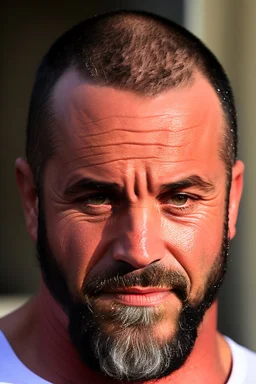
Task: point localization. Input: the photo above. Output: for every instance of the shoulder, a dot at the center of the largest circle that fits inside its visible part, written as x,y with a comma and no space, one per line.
16,329
243,364
12,370
9,363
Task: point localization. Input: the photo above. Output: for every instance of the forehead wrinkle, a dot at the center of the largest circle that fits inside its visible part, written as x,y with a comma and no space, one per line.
168,124
124,156
168,120
96,155
85,157
155,138
86,118
155,158
80,93
119,117
97,151
85,134
111,161
135,144
90,117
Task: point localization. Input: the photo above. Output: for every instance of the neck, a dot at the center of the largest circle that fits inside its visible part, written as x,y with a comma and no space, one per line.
56,360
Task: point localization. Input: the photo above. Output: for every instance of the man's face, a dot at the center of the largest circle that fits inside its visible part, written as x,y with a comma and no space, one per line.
134,210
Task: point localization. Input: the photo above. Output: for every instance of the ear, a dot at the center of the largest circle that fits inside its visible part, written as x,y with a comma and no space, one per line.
28,195
235,196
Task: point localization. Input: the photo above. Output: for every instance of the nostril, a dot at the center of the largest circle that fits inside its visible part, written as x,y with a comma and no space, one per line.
124,267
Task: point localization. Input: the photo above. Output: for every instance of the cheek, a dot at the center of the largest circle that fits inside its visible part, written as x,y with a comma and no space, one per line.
74,242
196,243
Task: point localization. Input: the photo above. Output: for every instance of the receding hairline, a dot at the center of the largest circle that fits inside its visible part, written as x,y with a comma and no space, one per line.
79,77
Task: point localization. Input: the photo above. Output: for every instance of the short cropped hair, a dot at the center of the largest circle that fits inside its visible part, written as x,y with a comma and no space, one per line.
129,50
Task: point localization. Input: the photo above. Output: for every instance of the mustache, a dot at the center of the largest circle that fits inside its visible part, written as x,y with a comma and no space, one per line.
124,275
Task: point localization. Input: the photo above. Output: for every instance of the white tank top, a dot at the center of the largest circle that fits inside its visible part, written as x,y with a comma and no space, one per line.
12,370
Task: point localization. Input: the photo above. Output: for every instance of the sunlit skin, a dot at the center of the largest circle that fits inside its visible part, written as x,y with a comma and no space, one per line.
142,146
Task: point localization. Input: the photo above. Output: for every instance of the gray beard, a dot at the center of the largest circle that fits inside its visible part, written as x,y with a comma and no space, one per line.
131,355
131,351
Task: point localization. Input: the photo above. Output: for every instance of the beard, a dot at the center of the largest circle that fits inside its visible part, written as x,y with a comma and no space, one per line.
119,340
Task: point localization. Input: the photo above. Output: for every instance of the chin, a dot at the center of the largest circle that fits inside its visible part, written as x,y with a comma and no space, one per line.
130,343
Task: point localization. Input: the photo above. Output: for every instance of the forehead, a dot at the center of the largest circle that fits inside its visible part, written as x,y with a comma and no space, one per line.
100,127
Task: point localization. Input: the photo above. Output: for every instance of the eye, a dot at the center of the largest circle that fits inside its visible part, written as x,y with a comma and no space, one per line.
96,205
97,200
178,200
179,203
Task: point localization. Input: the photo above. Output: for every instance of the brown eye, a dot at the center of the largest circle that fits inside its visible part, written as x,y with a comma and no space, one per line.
98,200
178,200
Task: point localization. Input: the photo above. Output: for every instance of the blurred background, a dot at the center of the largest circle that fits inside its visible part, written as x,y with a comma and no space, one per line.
27,30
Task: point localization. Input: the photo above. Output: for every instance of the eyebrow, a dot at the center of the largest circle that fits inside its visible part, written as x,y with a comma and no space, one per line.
90,184
191,181
87,184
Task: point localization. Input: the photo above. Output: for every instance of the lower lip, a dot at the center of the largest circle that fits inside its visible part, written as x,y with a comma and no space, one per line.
138,299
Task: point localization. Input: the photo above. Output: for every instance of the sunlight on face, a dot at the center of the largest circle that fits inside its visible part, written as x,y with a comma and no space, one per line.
136,222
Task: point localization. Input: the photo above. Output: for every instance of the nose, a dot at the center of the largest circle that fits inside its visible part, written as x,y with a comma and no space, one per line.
139,238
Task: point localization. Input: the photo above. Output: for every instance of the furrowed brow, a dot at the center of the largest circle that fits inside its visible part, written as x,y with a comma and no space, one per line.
88,184
191,181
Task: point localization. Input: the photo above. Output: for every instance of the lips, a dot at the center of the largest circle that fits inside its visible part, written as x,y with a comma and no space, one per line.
137,296
152,281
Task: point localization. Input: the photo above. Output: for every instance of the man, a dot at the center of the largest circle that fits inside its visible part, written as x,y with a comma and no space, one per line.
130,190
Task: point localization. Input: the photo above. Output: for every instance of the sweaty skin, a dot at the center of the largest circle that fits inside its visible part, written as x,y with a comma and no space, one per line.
142,146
